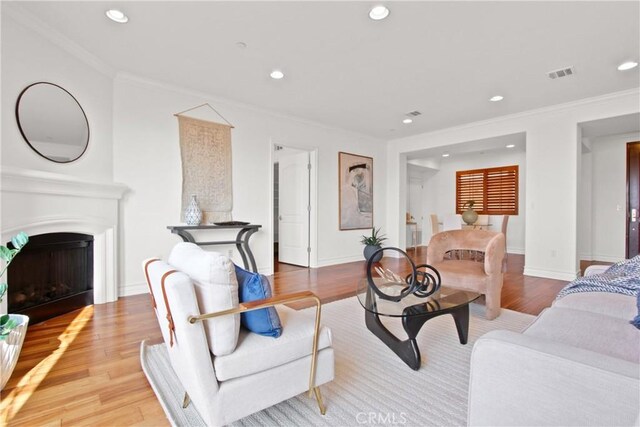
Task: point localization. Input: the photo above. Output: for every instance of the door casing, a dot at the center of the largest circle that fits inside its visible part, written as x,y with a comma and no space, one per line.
313,199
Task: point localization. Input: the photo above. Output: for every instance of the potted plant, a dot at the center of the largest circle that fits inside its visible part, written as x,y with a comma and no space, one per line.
13,327
373,243
469,216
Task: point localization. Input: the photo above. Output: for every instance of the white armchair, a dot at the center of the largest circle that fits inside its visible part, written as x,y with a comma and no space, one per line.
260,372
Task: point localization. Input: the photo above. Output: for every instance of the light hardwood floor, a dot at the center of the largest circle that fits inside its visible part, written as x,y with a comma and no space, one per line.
83,368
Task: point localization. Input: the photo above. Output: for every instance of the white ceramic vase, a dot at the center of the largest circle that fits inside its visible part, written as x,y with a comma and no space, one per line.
10,348
193,214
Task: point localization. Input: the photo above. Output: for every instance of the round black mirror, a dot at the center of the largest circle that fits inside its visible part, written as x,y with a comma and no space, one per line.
52,122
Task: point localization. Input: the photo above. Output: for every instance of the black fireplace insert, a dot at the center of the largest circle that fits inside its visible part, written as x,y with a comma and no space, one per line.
52,275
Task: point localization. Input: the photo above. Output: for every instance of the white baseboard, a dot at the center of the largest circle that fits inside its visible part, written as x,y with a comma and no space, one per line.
392,254
267,271
517,251
605,258
551,274
339,260
133,289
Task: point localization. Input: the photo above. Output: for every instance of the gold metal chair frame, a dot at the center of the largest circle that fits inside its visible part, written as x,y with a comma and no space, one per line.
270,302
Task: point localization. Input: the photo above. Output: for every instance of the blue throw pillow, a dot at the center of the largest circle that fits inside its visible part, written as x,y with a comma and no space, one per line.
252,287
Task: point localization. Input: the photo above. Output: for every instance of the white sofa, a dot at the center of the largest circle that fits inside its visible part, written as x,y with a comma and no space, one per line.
578,363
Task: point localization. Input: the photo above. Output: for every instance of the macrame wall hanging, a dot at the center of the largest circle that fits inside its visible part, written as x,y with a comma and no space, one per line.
205,149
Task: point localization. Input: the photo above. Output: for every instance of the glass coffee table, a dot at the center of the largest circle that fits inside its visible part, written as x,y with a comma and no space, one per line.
414,312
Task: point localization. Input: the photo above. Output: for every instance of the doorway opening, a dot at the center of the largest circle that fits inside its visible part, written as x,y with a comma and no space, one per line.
430,189
293,208
608,190
633,199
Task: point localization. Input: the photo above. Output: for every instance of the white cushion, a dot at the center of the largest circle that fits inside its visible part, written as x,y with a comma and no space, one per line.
608,303
591,331
256,353
216,286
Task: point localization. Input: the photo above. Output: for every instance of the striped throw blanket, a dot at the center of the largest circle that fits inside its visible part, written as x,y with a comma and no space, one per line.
621,278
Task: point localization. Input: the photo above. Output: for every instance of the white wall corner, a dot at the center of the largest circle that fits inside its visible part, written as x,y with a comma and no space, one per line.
551,274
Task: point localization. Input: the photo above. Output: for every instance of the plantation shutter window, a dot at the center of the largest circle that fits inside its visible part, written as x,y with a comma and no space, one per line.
469,186
493,190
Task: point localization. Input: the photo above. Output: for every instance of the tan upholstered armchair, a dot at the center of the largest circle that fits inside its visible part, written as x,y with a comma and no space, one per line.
482,277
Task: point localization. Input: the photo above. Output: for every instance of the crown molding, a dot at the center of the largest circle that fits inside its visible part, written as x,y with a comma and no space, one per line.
35,24
144,81
525,114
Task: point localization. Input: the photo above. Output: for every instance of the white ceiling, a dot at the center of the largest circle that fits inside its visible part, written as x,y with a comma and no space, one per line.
478,146
444,59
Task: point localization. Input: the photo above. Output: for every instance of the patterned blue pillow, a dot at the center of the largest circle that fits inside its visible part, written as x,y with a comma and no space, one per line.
253,287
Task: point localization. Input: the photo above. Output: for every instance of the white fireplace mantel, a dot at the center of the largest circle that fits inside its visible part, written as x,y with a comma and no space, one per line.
32,181
38,202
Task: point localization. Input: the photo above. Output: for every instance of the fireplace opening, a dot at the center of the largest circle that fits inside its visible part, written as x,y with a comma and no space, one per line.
52,275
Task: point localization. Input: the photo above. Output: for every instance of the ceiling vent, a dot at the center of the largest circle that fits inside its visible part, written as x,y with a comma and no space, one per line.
413,113
562,72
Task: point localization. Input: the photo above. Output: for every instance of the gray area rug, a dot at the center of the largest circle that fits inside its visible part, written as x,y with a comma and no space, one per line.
372,385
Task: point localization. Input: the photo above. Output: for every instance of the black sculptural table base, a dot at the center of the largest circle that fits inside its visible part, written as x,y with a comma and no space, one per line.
408,349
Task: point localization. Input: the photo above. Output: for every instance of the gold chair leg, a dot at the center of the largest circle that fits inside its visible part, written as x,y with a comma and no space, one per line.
316,391
186,401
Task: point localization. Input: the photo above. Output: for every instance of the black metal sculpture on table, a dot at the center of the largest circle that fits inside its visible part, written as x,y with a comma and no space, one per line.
424,280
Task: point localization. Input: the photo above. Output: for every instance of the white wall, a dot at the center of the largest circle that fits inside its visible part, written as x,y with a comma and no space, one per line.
603,208
29,57
439,193
553,147
147,159
40,196
585,204
415,204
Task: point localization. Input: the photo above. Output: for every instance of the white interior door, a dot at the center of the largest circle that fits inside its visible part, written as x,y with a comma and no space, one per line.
293,192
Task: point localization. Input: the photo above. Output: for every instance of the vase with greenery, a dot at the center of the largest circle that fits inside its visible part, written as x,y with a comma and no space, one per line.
13,327
469,216
372,244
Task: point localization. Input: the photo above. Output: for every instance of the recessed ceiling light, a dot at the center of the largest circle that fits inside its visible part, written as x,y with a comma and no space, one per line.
510,145
407,121
445,155
378,13
276,74
117,16
496,98
627,65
